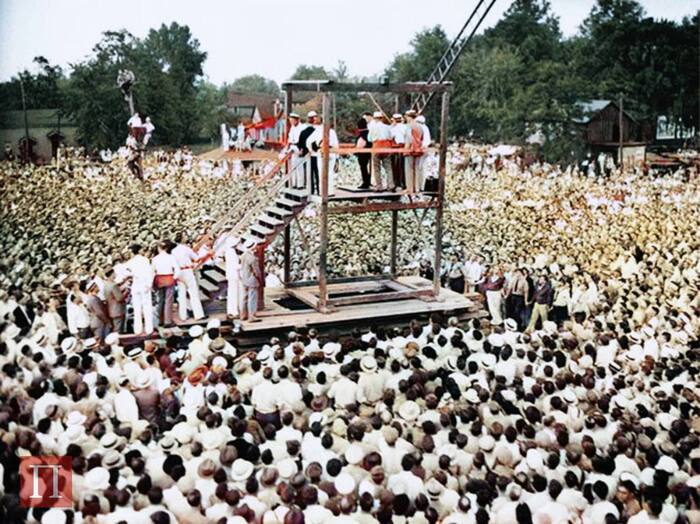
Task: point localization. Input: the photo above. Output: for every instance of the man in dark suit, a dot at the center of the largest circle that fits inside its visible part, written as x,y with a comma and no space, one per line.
303,147
363,159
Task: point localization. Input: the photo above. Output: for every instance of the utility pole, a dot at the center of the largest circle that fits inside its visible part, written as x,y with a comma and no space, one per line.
622,134
26,120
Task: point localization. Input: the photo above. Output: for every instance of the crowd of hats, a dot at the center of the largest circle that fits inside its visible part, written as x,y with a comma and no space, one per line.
595,419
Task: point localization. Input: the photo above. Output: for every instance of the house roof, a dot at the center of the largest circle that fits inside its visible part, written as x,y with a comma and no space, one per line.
264,102
590,108
36,118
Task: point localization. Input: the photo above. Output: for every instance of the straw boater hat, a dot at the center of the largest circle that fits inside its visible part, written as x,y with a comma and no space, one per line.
241,470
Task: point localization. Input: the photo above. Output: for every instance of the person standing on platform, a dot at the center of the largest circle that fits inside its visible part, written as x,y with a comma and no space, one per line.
313,146
141,272
316,145
298,170
427,140
166,271
312,166
363,159
398,137
186,260
413,141
251,279
233,268
380,136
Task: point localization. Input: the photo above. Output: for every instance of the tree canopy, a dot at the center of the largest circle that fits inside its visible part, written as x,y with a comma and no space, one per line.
518,77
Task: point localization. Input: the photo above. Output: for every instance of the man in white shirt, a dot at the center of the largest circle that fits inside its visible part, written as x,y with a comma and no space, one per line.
166,272
315,145
233,267
427,139
298,170
141,272
186,260
149,128
380,137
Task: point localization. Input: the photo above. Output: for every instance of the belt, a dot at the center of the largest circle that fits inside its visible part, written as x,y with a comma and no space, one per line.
164,275
186,267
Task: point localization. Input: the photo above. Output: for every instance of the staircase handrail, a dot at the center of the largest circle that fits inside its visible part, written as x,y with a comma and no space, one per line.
250,214
245,199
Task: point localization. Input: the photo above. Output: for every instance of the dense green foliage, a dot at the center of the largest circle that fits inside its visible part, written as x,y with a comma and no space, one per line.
516,78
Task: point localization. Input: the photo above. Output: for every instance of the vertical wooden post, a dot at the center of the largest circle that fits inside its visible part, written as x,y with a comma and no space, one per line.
323,247
394,230
444,114
260,252
288,229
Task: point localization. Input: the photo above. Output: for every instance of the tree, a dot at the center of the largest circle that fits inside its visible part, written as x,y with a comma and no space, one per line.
42,89
255,84
531,28
416,65
167,65
310,72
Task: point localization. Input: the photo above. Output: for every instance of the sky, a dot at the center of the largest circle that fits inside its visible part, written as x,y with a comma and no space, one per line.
267,37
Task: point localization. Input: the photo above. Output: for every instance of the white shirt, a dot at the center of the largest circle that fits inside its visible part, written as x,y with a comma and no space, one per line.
398,133
264,397
165,264
378,131
426,135
139,267
184,256
294,132
134,121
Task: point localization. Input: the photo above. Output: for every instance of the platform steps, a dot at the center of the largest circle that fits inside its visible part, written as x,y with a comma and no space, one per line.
288,204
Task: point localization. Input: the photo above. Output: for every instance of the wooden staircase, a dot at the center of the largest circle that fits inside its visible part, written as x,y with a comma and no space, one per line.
261,225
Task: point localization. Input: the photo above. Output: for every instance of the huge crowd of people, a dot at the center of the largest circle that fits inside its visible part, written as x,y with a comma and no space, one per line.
575,399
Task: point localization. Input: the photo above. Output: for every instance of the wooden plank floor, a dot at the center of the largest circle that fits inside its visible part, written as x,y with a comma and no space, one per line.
275,316
277,320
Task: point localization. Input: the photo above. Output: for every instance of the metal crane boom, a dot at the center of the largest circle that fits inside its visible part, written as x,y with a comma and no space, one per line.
453,52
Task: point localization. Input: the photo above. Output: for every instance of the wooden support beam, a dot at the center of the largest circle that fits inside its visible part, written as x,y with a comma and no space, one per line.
394,231
287,254
304,295
323,233
444,115
380,297
341,280
329,86
350,149
376,207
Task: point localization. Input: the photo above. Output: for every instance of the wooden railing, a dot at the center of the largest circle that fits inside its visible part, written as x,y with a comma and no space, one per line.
249,196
